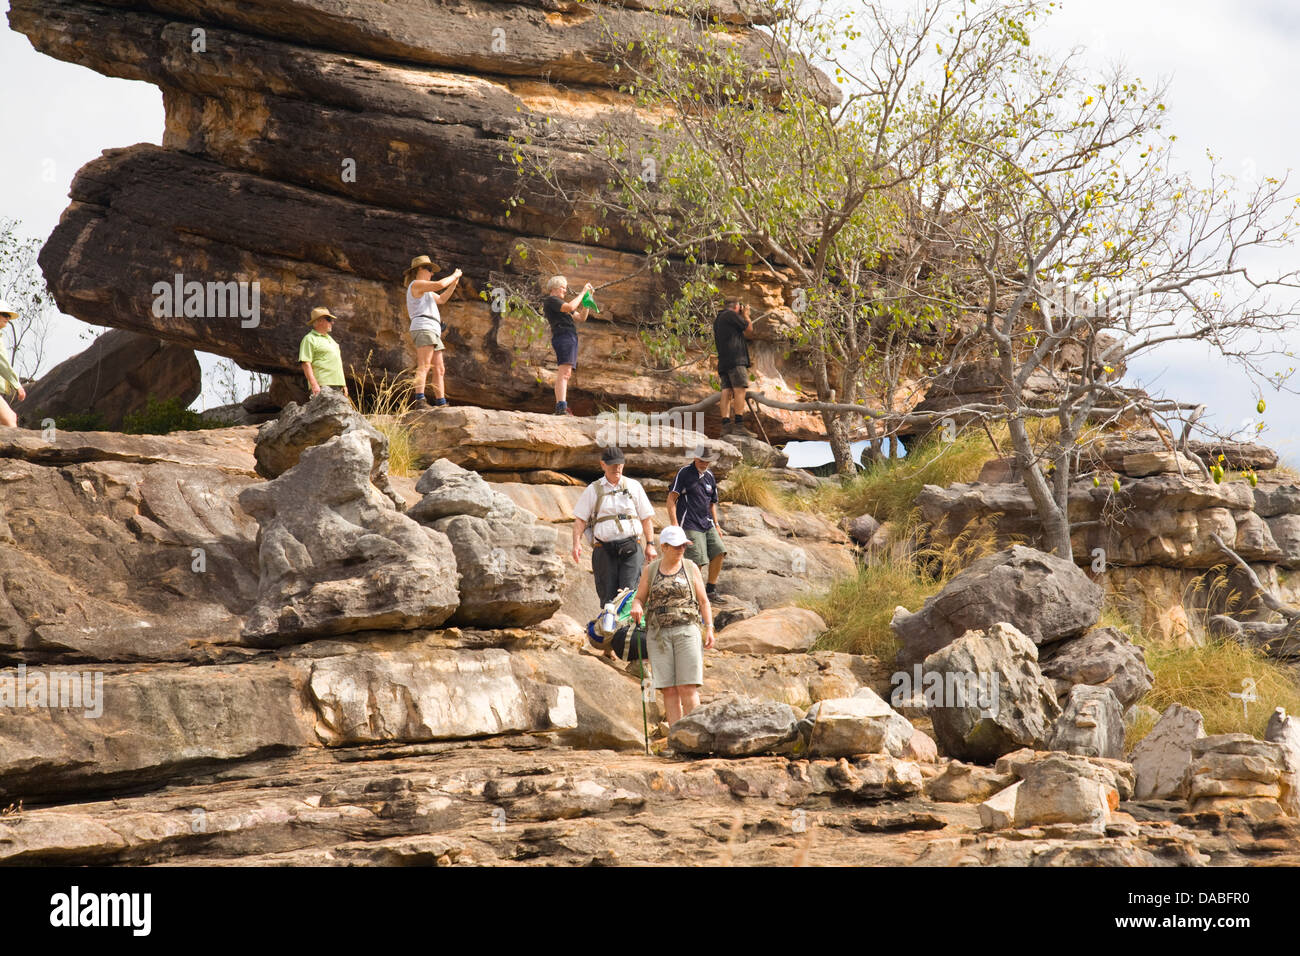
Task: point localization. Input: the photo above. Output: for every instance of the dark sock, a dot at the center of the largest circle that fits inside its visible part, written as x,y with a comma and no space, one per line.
419,396
440,401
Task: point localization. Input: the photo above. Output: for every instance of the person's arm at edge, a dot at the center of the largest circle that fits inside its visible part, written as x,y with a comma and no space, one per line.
642,592
706,609
672,507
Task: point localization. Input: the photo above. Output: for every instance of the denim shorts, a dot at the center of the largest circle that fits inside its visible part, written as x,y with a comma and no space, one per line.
566,348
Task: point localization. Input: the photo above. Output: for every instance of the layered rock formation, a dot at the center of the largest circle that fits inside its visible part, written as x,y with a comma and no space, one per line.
315,146
112,379
1151,543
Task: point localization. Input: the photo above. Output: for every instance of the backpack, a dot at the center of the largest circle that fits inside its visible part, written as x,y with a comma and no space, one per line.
614,630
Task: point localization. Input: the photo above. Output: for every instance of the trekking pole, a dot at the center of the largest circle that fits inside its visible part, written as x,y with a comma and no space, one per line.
640,664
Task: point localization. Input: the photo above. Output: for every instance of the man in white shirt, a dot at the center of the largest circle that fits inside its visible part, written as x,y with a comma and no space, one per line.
617,510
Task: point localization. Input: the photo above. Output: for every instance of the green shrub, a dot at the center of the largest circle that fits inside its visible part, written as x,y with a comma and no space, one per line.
161,418
81,422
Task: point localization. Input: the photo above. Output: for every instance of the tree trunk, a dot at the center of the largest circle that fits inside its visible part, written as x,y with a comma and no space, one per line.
837,433
1056,524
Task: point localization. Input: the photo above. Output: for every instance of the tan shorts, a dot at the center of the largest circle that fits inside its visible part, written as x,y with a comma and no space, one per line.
426,337
676,655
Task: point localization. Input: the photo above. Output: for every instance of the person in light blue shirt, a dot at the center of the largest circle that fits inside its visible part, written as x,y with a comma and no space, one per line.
424,294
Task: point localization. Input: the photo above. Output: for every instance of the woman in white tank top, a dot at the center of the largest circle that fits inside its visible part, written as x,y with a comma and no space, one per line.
424,294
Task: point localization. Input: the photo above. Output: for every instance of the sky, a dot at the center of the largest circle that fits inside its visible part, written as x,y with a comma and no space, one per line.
1231,64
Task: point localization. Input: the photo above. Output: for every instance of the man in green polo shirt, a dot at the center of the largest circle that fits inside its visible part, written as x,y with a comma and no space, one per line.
322,362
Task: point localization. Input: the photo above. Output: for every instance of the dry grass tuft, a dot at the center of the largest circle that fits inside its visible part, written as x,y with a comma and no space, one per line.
383,400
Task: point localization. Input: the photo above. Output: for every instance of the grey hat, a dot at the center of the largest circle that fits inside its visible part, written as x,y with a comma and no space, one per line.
704,453
613,455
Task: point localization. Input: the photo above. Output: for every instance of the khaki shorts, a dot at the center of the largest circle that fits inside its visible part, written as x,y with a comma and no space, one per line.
676,655
705,546
426,337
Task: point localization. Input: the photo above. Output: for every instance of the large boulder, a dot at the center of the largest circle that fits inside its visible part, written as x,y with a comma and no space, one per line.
1015,707
449,489
1162,758
1056,791
1045,597
485,440
335,558
104,536
607,699
861,724
735,727
424,693
1285,732
280,443
782,630
1237,772
1104,657
114,378
1092,724
509,572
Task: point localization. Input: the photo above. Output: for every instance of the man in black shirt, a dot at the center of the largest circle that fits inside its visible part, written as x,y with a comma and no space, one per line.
730,330
564,334
693,504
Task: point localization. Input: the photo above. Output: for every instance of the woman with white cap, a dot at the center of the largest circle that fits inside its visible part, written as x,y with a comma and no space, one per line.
8,377
671,597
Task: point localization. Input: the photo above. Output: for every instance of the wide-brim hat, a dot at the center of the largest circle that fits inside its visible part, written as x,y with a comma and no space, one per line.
7,312
704,453
320,312
418,263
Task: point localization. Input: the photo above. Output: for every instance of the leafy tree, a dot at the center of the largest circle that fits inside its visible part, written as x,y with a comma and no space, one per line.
23,287
961,196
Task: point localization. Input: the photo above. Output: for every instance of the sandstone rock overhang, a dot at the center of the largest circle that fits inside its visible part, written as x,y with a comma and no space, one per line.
250,184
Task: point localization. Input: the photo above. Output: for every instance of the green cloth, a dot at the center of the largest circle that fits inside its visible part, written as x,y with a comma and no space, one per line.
8,377
326,360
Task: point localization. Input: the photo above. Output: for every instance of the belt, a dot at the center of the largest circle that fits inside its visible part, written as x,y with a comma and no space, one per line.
631,537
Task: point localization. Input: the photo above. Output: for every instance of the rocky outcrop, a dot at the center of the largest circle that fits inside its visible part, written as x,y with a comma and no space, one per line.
1104,657
735,727
280,443
784,630
421,695
996,699
1162,758
1043,596
486,441
1060,791
1091,724
508,570
1284,731
103,536
335,558
251,185
112,379
1236,772
1164,520
861,724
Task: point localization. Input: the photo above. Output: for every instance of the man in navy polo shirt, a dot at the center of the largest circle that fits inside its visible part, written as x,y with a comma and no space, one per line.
695,490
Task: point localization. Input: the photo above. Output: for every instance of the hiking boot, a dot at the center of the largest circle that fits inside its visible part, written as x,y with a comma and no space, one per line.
562,408
711,590
438,403
420,402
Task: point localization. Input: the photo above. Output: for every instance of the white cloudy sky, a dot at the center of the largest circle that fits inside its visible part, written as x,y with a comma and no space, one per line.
1232,65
